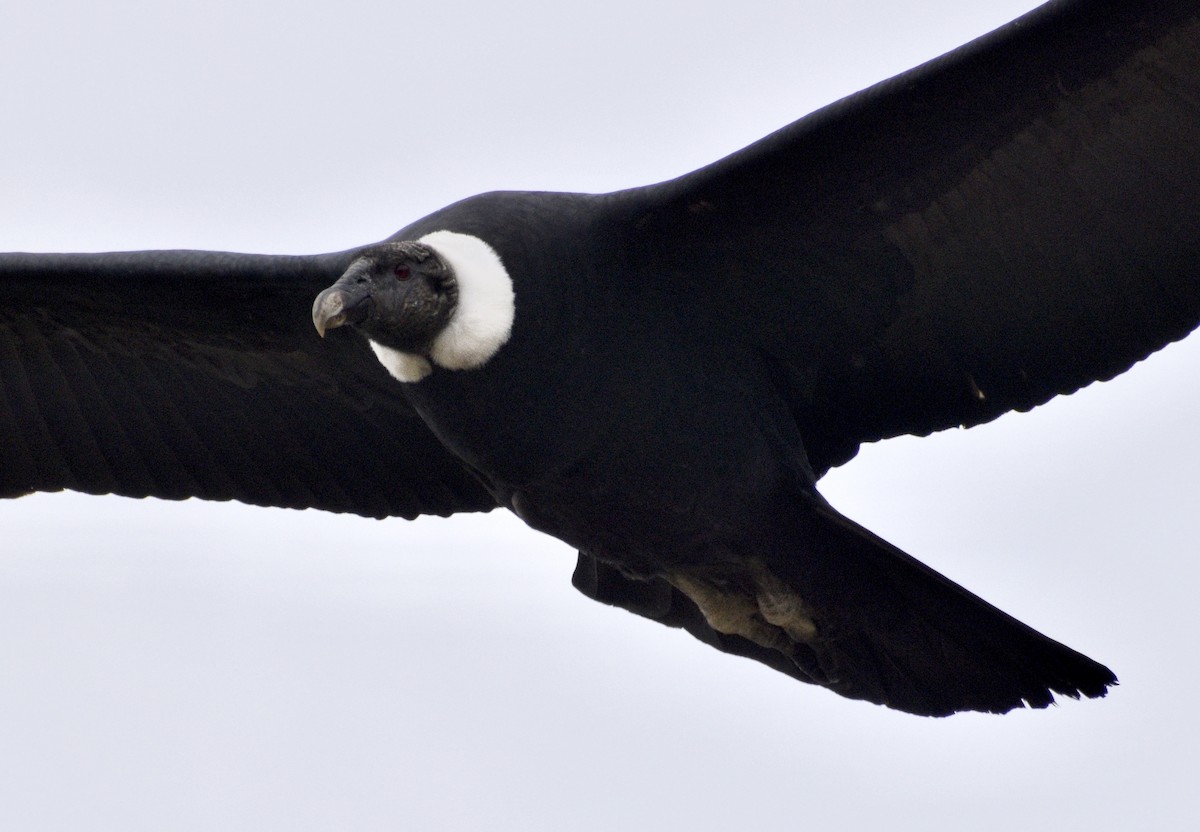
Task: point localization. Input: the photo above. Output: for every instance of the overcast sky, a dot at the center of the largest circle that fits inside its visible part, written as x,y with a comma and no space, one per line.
207,666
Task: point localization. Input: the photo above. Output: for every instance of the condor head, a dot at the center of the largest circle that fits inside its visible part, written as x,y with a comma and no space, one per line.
445,300
400,295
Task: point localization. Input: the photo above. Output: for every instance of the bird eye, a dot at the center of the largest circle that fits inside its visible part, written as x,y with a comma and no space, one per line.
402,272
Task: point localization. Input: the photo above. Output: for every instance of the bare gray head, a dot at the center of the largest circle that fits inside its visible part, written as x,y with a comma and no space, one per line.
445,298
400,295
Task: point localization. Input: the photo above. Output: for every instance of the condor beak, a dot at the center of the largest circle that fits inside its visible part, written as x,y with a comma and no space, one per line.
345,302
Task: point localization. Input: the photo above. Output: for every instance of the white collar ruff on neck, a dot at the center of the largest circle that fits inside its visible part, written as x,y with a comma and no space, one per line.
482,321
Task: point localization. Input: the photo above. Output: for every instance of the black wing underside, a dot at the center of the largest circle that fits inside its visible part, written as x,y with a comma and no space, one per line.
1007,223
198,374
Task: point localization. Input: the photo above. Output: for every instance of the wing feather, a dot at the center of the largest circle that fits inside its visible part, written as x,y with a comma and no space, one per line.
1005,224
196,374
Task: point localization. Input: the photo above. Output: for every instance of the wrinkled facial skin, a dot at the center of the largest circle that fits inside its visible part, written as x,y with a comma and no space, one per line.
400,295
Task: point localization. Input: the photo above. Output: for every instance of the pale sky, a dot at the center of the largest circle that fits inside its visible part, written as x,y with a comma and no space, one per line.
213,666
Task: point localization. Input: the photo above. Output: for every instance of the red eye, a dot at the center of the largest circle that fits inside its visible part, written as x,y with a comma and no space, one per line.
402,272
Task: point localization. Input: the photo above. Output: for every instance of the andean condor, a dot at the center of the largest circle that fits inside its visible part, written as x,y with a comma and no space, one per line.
660,376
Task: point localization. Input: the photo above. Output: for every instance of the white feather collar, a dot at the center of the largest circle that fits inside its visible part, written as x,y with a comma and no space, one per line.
482,321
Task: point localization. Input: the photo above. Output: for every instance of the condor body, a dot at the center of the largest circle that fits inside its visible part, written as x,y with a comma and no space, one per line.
660,376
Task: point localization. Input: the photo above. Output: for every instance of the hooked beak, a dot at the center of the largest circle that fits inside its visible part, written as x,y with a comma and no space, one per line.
342,303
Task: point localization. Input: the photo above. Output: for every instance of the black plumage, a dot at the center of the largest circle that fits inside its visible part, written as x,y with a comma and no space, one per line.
1008,223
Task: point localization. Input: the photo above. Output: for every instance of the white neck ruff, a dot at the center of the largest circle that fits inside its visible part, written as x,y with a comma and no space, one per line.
482,321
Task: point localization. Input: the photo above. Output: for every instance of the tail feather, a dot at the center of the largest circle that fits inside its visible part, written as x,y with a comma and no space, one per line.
898,633
866,620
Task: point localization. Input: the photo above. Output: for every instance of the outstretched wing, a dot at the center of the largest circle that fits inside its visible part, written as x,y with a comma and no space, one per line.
1009,222
198,374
